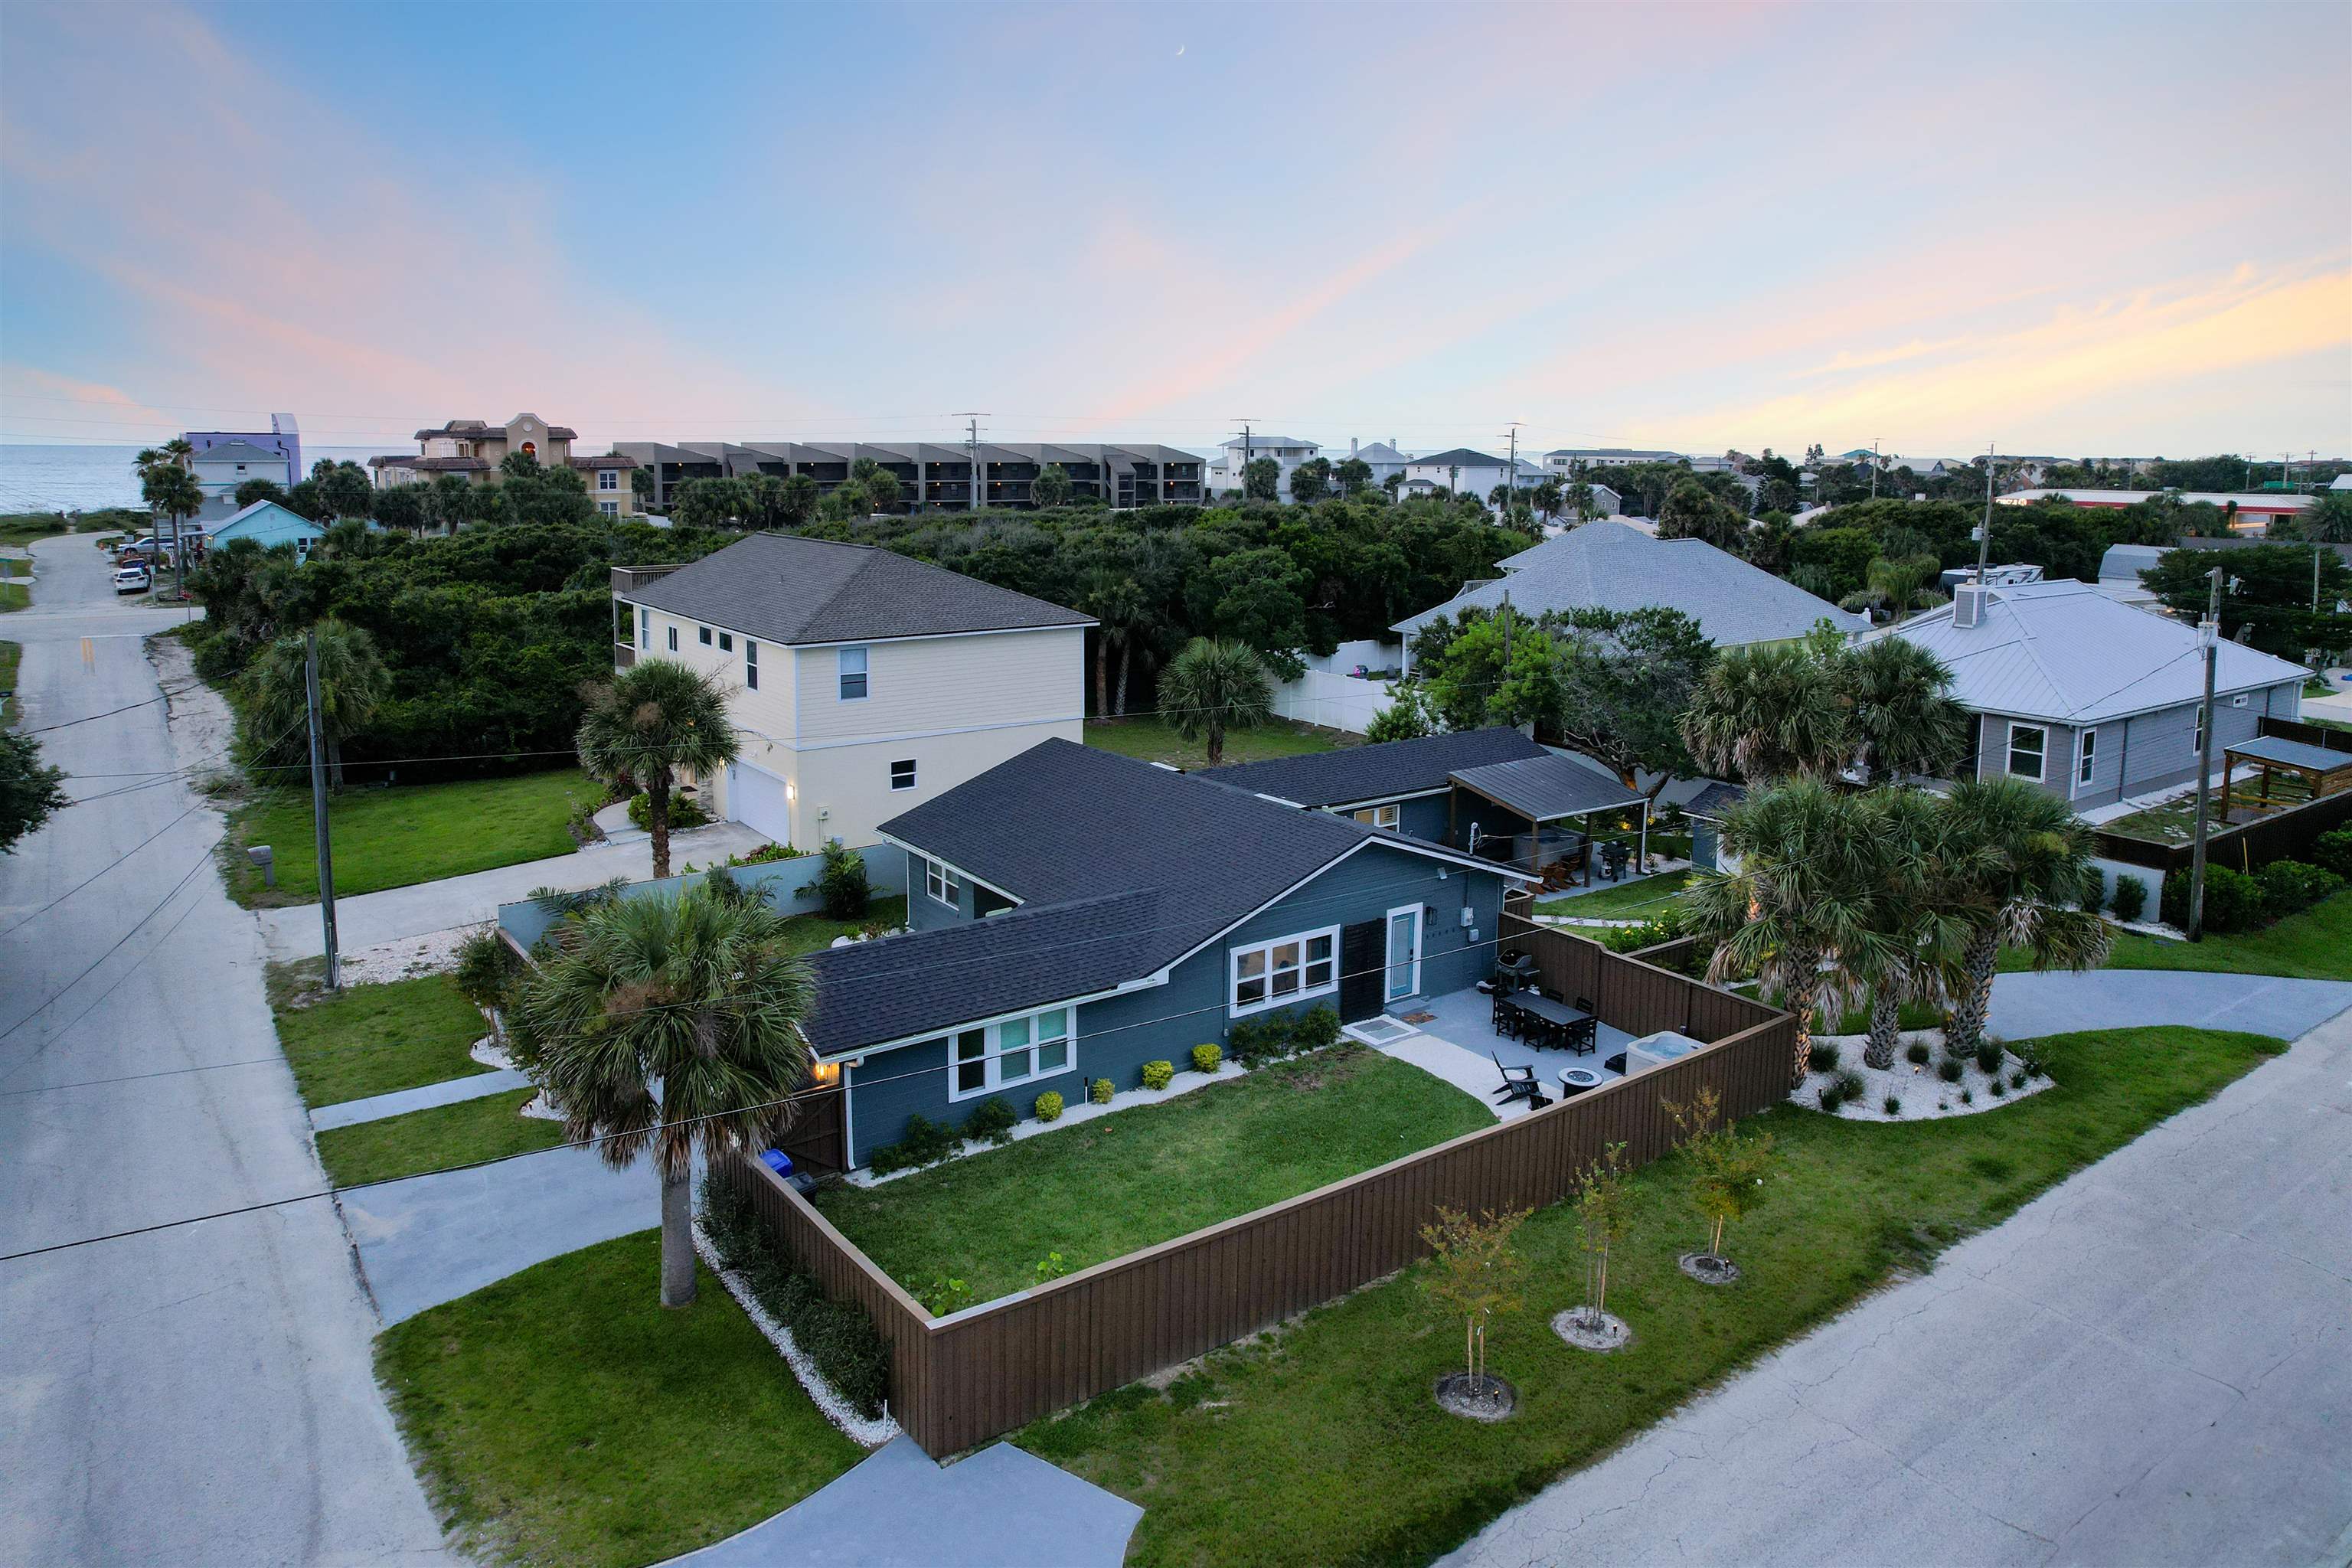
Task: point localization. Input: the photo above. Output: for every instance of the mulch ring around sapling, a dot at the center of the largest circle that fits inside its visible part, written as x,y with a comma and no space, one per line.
1589,1330
1485,1399
1708,1268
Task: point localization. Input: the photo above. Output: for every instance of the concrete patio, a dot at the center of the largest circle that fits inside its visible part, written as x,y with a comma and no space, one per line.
1458,1043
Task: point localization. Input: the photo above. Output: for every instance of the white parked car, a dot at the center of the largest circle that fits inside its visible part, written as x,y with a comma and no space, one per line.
134,580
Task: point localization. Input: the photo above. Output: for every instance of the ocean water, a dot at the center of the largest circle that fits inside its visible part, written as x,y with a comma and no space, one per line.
82,478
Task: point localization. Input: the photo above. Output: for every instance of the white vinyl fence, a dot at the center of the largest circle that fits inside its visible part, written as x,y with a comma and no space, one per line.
1327,694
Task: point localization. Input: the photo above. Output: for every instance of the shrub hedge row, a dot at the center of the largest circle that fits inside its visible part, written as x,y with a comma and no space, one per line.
850,1354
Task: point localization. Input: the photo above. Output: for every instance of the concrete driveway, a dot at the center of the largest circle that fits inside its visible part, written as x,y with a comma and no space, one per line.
2150,1364
205,1393
397,914
2024,1006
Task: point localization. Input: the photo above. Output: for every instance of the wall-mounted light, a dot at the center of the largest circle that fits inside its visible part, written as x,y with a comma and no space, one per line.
825,1074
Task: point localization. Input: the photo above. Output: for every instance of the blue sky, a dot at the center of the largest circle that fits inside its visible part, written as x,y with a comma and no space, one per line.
2085,230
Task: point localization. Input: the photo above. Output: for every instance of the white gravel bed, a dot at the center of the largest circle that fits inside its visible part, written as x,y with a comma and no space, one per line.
490,1054
1924,1095
870,1434
436,953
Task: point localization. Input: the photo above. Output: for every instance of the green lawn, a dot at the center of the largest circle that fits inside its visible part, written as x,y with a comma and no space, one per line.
1142,1176
406,834
1643,900
371,1039
435,1140
2314,945
1321,1444
15,595
562,1415
808,934
10,654
1147,738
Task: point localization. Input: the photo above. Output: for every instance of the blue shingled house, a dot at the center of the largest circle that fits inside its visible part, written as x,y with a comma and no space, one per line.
1075,914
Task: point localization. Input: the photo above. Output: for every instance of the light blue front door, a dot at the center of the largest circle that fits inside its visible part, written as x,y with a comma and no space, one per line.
1404,952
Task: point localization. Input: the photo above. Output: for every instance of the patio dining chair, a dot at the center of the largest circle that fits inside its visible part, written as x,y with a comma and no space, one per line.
1520,1083
1582,1037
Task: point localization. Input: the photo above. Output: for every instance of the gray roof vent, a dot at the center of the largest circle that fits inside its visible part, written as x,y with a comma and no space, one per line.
1968,606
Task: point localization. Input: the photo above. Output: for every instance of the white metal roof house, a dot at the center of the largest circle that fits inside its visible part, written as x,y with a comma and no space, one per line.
2092,699
1226,470
860,682
1614,566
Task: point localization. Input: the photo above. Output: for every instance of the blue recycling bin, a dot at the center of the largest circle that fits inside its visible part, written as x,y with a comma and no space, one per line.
776,1160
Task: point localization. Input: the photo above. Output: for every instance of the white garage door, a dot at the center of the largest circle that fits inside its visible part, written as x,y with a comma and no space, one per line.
756,799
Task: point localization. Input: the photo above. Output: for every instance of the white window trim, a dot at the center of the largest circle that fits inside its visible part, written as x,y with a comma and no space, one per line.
2087,758
2197,733
673,639
2009,757
1236,1008
751,664
941,884
1388,923
863,672
1387,813
914,771
608,478
993,1074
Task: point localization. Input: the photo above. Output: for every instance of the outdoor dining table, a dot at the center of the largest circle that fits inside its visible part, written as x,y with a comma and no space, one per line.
1544,1007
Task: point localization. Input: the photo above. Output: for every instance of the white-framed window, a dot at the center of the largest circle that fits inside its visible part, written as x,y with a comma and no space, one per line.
942,884
2196,735
726,642
703,633
852,667
608,478
2027,742
902,774
644,627
673,639
750,665
1011,1051
2086,760
1380,816
1288,969
609,507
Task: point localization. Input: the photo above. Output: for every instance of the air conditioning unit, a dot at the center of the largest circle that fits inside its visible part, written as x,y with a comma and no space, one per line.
1658,1050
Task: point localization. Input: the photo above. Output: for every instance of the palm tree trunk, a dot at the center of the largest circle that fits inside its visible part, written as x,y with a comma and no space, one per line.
1126,652
334,762
1216,740
1974,1002
1102,674
1886,1018
657,822
677,1238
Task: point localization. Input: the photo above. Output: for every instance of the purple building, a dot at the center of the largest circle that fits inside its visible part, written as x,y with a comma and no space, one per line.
282,437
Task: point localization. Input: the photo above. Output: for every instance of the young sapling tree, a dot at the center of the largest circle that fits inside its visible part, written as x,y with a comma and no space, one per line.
1475,1272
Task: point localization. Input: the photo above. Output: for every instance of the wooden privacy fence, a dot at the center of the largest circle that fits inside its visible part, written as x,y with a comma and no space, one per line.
959,1379
2281,835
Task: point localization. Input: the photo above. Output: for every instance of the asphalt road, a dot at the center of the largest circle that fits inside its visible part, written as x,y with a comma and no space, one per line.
203,1394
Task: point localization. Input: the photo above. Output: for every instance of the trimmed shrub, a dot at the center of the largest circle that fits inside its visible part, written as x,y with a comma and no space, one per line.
1850,1084
1831,1098
1917,1053
842,884
924,1142
2289,885
1949,1069
1893,1107
1989,1055
992,1121
485,969
2332,851
685,811
2233,901
1316,1030
1049,1106
1968,1097
1207,1058
1159,1075
1998,1088
2017,1078
1101,1092
1822,1057
838,1336
2030,1053
1254,1041
2131,898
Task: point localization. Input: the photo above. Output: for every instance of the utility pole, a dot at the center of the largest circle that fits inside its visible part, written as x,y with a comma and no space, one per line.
1246,452
319,810
972,454
1984,534
1511,478
2210,634
1873,466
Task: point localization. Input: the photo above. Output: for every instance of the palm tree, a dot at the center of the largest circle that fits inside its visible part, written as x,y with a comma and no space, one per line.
651,721
1905,718
1919,914
1902,582
353,685
1117,605
2024,857
1769,712
170,489
1213,687
663,1023
1804,911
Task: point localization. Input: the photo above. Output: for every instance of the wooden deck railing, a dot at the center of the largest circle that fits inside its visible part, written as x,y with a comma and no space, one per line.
989,1369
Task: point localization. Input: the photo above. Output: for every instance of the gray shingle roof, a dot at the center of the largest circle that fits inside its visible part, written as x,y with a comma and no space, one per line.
1462,455
784,589
1121,868
1607,565
1546,788
2066,651
1383,772
1714,798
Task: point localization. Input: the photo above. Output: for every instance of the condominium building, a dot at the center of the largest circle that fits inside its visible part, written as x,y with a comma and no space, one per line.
473,449
934,478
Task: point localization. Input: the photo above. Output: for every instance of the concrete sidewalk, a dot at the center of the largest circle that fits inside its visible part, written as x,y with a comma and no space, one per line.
2024,1006
396,915
425,1096
2150,1363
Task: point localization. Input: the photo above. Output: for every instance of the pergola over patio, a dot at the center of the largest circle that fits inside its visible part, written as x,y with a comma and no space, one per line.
1550,789
2319,771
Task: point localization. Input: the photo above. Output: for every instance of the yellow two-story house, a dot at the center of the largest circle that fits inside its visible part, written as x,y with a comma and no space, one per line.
861,683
